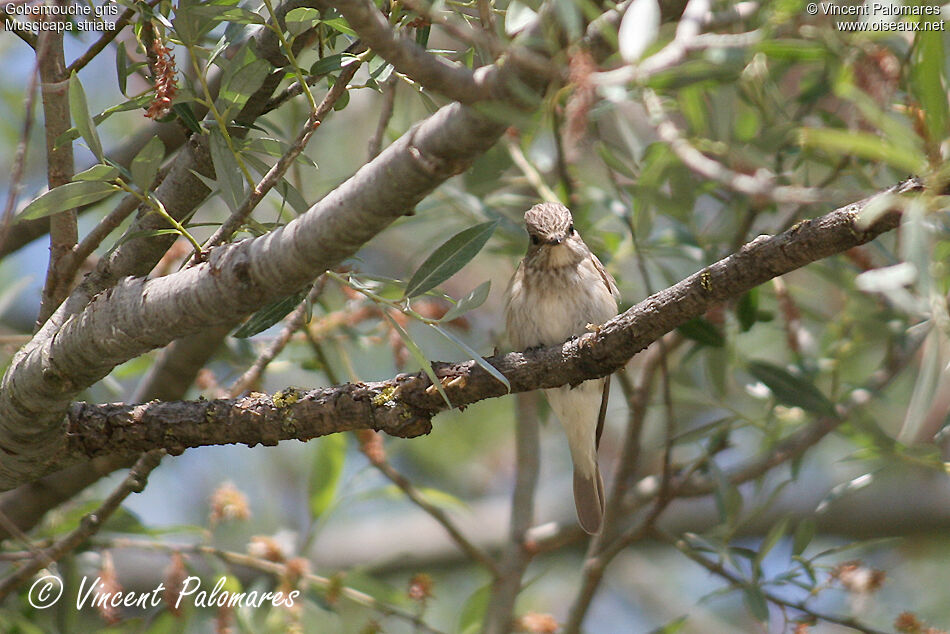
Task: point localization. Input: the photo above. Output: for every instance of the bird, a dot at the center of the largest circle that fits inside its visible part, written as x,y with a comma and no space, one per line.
561,290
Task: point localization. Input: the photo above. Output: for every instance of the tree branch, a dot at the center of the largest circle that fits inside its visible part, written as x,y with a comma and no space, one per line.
405,405
134,482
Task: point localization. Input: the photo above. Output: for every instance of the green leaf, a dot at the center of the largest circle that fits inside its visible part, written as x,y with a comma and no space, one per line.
792,390
420,358
473,610
928,82
79,110
228,173
121,66
845,488
269,315
187,116
449,258
301,19
703,331
132,104
242,77
68,196
804,533
673,627
327,64
422,36
326,472
775,533
863,145
727,496
755,602
747,310
470,302
485,365
146,163
339,24
230,14
98,172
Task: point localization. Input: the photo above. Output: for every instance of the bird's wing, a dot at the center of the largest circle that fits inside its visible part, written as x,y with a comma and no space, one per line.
606,277
603,413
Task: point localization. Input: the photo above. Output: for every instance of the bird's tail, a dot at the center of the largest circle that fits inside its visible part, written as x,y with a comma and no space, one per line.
589,499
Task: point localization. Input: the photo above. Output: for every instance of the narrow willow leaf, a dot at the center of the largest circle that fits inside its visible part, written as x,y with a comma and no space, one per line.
243,75
485,365
673,627
845,488
470,302
146,163
187,116
863,145
792,390
929,82
339,24
776,533
449,258
79,110
227,172
68,196
301,19
702,331
326,473
328,64
420,358
132,104
269,315
473,610
121,66
97,173
755,602
747,310
422,36
222,13
804,533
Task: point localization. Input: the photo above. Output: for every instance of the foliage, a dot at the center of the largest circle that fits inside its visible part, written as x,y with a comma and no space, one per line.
790,409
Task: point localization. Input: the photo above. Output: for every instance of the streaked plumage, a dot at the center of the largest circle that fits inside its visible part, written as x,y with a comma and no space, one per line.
560,288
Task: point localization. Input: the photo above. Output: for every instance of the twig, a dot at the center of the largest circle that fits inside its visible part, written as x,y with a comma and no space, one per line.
518,554
8,25
375,145
63,229
762,185
473,551
272,568
738,582
590,356
292,324
134,482
434,73
275,173
531,174
19,159
107,36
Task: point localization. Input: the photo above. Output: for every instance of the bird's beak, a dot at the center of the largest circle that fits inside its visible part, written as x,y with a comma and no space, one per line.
556,241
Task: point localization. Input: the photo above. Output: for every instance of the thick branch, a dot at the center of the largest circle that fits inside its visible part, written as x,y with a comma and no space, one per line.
137,315
404,406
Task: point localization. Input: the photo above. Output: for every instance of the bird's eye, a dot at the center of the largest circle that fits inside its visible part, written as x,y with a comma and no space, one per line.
535,239
570,229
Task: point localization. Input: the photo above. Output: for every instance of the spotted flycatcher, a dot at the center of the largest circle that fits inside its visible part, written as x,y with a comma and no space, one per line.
559,291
